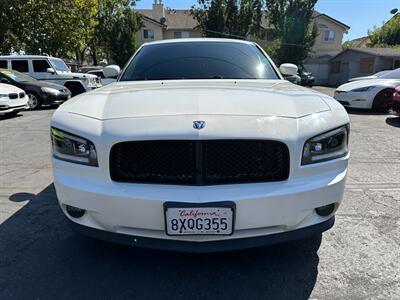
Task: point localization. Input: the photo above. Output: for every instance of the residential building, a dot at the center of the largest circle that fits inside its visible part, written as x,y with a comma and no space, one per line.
356,62
162,23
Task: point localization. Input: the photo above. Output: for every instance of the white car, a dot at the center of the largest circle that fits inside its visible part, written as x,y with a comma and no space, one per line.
204,152
12,99
51,69
373,94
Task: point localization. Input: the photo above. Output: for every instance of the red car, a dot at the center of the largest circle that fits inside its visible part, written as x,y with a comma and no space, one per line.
395,109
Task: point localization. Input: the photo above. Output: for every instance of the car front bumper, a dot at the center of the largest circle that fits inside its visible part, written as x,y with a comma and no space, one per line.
52,99
207,247
269,212
354,99
13,106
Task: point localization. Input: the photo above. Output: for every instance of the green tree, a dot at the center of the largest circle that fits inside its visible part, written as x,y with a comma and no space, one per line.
116,30
58,28
294,29
122,45
229,18
386,36
6,36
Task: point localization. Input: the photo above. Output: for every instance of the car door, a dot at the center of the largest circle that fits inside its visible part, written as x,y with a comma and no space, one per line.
39,69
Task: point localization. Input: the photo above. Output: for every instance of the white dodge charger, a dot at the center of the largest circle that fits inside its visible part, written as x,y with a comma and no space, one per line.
200,146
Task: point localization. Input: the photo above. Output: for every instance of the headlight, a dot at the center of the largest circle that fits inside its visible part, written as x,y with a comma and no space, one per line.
50,91
72,148
327,146
363,89
85,80
3,95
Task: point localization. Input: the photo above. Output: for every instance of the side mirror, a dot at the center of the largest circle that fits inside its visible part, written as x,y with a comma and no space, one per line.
111,71
50,70
288,69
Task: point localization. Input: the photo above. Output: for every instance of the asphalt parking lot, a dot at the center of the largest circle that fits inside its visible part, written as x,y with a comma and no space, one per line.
41,258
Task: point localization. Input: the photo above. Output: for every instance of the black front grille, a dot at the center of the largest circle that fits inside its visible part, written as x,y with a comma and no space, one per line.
199,162
21,95
13,95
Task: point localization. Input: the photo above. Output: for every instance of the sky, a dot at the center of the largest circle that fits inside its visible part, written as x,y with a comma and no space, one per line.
360,15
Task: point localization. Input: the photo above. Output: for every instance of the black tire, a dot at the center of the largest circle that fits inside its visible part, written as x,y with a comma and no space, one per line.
35,102
382,101
75,88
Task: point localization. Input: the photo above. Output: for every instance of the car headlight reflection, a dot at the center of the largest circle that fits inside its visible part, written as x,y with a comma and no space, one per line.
50,91
363,89
327,146
73,148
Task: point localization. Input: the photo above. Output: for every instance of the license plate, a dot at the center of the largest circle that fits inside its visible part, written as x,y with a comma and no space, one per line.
195,219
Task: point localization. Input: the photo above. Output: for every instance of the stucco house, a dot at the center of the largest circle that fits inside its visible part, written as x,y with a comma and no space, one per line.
356,62
161,22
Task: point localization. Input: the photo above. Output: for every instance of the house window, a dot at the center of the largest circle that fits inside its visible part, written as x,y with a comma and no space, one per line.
148,34
367,65
329,35
181,35
335,67
20,66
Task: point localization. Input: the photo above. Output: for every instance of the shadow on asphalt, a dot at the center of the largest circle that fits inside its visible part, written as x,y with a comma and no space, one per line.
10,116
395,122
40,257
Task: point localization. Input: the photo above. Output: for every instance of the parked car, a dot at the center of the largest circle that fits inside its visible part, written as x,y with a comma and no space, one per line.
39,92
375,94
200,146
296,79
374,76
395,105
104,80
51,69
307,78
12,99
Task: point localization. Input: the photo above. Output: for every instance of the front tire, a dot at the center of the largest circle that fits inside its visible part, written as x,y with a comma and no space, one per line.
34,101
381,102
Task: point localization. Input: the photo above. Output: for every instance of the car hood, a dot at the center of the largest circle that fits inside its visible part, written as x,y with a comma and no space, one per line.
197,97
363,78
368,82
76,75
40,84
8,88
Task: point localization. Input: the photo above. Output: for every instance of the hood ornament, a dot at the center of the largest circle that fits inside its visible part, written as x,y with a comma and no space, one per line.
199,124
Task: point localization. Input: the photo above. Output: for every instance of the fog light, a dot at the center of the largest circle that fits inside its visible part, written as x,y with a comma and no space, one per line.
326,210
75,212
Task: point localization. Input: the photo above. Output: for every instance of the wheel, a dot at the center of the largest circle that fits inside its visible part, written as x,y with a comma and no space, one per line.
34,101
382,101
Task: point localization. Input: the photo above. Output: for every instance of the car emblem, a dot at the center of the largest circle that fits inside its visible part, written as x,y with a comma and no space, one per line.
199,124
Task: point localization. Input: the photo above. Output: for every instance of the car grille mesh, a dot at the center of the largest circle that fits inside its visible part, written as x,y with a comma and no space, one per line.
199,162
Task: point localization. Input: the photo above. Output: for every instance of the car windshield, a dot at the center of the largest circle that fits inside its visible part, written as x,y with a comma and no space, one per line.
59,65
199,60
395,74
17,76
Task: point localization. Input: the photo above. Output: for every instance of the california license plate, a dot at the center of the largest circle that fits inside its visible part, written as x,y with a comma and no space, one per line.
199,219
